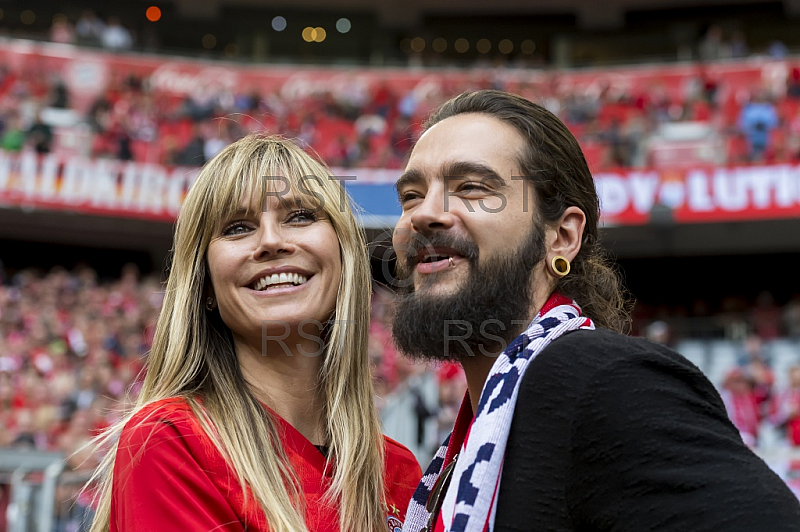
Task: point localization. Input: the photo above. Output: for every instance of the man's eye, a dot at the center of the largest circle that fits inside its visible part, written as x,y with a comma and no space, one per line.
301,217
236,228
405,197
472,187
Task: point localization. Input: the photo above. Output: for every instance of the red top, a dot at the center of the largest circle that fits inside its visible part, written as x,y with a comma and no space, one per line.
169,476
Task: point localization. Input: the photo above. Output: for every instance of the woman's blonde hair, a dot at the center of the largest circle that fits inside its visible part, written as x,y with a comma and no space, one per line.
193,356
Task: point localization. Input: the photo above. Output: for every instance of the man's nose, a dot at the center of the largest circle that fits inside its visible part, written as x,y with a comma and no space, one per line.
433,213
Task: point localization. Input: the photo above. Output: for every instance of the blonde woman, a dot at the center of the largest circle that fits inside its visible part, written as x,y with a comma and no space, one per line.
256,411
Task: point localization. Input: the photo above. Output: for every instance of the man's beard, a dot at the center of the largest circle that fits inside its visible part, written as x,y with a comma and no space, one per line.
482,316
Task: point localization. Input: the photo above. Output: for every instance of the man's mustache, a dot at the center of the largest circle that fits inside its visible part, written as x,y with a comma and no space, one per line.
438,239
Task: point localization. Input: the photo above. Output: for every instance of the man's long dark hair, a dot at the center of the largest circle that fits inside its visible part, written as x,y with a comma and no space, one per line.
555,166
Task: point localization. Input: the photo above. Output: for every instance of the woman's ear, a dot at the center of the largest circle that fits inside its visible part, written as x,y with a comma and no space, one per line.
209,300
564,237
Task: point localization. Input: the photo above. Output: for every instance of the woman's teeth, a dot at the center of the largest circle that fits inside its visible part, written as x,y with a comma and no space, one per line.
280,278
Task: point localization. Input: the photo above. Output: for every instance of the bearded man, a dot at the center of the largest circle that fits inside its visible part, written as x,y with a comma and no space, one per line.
567,425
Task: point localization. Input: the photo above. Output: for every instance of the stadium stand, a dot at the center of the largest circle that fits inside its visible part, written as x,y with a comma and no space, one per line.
179,112
667,142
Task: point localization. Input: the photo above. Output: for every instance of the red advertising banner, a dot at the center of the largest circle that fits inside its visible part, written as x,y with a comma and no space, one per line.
628,197
696,195
101,186
116,188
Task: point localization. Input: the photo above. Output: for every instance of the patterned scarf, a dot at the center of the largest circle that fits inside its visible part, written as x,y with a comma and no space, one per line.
470,503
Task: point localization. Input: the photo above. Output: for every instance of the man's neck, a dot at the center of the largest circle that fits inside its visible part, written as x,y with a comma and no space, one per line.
477,367
476,370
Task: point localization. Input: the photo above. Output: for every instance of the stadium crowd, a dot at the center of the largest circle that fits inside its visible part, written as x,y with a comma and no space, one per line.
131,121
72,348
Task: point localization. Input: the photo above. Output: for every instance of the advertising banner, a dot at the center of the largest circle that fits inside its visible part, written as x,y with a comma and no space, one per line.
628,197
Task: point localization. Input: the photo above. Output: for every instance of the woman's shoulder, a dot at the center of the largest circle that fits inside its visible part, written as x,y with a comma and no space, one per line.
158,420
167,428
397,451
171,409
399,457
402,474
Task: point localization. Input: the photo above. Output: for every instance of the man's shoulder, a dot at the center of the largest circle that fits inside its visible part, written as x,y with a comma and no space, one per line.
605,346
579,356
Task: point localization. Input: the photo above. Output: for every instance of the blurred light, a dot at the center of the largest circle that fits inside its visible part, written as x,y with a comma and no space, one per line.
527,46
505,46
232,49
483,46
58,18
153,14
27,17
209,41
309,34
320,34
279,23
343,25
405,45
461,45
1,13
439,44
418,44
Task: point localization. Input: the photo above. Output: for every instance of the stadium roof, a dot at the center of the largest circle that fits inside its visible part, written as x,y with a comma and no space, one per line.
589,14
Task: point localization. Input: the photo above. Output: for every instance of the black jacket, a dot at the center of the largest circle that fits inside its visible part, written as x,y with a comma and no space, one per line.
619,434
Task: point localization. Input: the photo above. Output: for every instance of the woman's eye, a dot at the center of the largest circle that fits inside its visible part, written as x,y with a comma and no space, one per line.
236,228
301,217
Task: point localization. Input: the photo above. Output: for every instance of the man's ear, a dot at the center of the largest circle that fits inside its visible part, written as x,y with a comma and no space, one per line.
566,234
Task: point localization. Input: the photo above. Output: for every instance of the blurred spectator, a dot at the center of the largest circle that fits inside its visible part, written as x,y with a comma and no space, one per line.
757,120
61,30
740,402
788,410
791,317
738,45
712,47
777,50
215,138
89,28
115,36
452,386
124,147
59,95
40,135
658,331
13,138
765,317
194,153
